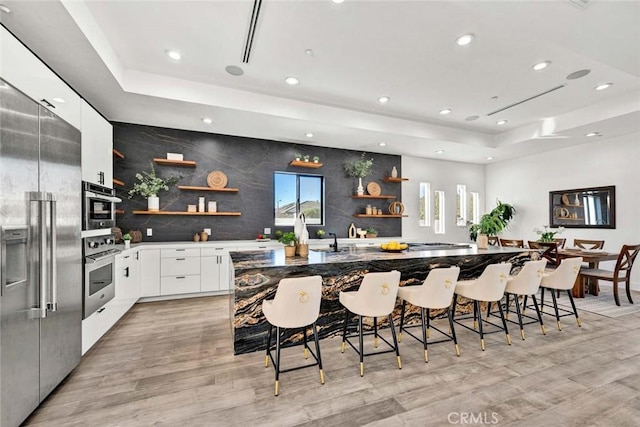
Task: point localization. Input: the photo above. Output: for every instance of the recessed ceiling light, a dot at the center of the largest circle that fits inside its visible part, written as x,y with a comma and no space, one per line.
382,144
174,54
292,80
384,99
338,1
501,122
593,134
490,158
5,8
58,99
603,86
439,151
234,70
207,120
309,52
464,39
541,65
308,135
446,111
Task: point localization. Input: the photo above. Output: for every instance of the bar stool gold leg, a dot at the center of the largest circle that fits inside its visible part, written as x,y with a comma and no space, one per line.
342,347
579,322
375,342
426,356
544,330
522,333
361,369
306,353
559,326
508,339
277,388
400,337
321,376
266,361
482,343
457,350
399,363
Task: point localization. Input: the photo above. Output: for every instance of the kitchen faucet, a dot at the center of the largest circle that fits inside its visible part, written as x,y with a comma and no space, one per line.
334,245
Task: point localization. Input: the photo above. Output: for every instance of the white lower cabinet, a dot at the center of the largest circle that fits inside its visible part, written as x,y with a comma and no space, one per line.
99,323
215,264
150,272
179,271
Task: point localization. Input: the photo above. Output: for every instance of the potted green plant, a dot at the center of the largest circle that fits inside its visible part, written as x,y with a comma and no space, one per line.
297,156
492,223
316,159
359,169
320,234
127,240
289,240
371,233
149,185
306,157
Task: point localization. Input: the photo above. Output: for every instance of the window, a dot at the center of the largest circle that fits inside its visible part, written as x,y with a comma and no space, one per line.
425,204
438,212
295,193
461,205
473,207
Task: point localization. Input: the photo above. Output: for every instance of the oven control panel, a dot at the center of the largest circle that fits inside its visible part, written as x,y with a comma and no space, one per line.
99,244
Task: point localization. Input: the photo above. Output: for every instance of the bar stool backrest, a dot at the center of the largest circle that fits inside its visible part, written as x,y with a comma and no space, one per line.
297,302
378,291
493,280
528,279
437,289
564,276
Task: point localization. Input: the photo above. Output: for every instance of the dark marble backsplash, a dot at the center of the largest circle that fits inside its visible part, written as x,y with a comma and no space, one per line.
249,165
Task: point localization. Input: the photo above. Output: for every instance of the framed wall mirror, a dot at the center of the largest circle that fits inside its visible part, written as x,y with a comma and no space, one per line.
583,208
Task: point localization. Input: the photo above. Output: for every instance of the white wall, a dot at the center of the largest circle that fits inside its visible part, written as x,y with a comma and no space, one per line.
445,176
526,183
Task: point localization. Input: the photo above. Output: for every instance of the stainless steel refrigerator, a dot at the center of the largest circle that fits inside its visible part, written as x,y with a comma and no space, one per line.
41,253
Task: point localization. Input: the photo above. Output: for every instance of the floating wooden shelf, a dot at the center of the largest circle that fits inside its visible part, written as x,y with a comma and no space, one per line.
193,188
186,213
378,216
368,196
392,179
188,163
118,182
119,211
118,154
305,164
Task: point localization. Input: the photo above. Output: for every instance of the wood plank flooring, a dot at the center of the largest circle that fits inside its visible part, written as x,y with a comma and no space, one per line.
170,363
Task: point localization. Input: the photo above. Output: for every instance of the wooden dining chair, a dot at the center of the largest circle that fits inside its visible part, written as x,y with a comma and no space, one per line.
561,242
620,274
588,244
512,243
493,241
550,251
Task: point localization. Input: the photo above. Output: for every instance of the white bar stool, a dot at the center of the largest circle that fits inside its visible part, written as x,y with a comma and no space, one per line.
296,305
525,284
562,279
375,297
435,293
489,287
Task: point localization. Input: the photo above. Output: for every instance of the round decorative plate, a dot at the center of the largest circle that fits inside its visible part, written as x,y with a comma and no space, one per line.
373,188
396,208
216,179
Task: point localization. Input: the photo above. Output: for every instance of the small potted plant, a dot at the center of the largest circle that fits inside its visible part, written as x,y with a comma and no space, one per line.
149,185
127,240
297,156
491,224
289,240
306,157
359,169
320,234
371,233
316,159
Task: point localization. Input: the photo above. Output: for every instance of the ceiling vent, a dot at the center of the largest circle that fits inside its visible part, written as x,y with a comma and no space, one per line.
253,23
525,100
582,4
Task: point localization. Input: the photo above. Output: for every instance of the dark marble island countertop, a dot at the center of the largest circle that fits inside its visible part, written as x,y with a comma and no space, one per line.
257,274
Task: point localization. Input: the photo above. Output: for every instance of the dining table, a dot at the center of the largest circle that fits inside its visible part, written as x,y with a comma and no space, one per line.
593,257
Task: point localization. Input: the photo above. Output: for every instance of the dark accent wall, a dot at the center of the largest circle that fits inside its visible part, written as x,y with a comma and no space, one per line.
249,165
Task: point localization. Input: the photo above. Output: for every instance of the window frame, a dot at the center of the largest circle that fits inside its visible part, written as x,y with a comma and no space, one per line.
298,176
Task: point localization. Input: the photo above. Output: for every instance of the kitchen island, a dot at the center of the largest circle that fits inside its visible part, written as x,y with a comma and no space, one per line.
257,273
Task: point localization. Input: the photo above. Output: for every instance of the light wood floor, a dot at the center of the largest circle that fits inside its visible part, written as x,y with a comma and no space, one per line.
171,364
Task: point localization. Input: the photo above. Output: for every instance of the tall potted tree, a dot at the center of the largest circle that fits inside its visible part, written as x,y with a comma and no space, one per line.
491,224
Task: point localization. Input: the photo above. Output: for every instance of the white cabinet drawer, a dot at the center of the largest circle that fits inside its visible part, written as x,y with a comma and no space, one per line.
178,253
180,266
179,285
213,251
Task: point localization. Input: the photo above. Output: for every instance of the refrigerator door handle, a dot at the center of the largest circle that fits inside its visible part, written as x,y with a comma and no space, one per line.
53,250
41,199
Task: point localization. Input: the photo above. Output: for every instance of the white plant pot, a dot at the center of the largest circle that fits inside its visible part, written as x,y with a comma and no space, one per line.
482,241
127,244
360,188
153,203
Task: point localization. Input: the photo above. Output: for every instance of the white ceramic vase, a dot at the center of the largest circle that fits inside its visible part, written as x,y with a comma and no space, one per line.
153,203
360,188
127,244
482,241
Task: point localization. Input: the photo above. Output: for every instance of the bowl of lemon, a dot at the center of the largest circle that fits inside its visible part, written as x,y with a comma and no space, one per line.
393,246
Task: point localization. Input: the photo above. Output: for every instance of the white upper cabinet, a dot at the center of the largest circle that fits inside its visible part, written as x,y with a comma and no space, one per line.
23,70
97,147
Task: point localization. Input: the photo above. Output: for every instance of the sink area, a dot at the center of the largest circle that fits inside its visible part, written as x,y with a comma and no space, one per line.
344,249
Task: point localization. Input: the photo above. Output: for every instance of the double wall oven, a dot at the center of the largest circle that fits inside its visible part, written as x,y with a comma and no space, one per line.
98,245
